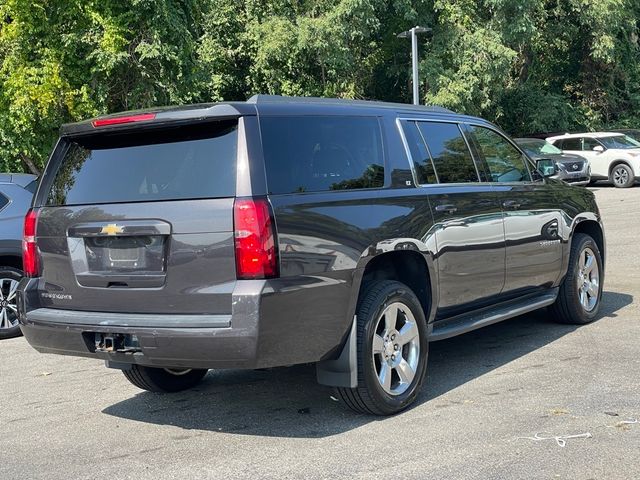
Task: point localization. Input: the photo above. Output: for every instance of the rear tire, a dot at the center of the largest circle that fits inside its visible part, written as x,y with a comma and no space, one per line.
9,325
163,380
392,350
579,297
622,176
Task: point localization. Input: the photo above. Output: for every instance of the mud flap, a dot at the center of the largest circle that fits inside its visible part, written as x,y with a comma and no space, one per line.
343,371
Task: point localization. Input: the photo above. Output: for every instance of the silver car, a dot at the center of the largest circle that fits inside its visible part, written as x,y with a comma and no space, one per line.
572,169
16,193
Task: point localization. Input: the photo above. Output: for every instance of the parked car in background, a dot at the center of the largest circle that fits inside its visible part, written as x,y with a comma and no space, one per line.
612,156
629,132
573,169
281,231
16,193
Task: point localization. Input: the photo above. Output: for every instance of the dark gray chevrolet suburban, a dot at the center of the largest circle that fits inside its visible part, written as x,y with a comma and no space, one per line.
281,231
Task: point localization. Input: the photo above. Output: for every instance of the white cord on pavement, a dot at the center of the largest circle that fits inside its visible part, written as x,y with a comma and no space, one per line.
561,440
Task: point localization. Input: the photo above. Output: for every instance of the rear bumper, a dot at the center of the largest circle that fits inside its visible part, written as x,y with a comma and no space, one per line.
175,347
164,340
273,323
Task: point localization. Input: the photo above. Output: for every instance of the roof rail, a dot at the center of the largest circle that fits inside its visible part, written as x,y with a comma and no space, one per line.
257,99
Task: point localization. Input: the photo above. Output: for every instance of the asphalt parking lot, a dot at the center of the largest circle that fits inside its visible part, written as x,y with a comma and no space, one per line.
67,418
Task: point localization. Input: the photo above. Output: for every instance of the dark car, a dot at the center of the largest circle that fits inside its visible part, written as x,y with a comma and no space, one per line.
282,231
16,193
572,169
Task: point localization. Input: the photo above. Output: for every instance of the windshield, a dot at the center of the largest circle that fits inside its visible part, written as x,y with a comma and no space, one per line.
619,141
539,147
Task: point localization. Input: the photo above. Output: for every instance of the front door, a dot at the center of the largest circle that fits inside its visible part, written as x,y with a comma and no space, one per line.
467,216
598,160
531,213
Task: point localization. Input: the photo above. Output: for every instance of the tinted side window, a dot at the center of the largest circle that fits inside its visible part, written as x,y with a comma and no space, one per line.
32,186
421,159
571,144
449,151
504,161
311,154
589,143
170,164
4,201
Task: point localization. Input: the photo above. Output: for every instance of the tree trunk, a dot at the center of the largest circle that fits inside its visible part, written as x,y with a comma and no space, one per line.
29,163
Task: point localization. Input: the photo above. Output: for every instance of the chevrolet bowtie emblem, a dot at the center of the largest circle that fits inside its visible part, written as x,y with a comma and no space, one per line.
112,229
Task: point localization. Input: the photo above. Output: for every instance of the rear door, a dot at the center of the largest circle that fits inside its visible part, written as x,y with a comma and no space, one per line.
467,216
531,213
140,220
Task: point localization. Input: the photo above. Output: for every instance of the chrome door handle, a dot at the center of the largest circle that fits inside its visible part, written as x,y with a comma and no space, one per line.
512,204
447,207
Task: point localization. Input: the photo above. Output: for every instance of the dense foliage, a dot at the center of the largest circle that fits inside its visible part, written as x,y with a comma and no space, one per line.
530,65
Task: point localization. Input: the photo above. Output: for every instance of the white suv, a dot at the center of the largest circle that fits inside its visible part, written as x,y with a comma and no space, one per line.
612,156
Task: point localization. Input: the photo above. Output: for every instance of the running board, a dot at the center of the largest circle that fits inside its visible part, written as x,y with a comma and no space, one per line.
470,321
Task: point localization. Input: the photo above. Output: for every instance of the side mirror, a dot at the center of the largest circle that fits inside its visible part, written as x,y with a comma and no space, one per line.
546,167
598,149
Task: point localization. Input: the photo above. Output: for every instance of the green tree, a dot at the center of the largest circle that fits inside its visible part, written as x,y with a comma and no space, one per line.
65,60
530,65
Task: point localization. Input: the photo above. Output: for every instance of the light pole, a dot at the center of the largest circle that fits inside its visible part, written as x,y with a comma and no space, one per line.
413,33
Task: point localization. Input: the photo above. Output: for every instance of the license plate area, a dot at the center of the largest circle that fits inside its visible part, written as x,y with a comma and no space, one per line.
128,254
123,254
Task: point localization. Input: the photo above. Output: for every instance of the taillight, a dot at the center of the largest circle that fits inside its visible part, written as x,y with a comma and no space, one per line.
30,259
255,239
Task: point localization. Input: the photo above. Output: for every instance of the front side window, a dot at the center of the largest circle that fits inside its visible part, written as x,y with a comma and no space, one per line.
588,144
451,157
320,153
504,161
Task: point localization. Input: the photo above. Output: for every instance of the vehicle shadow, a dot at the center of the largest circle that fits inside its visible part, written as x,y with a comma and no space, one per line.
287,402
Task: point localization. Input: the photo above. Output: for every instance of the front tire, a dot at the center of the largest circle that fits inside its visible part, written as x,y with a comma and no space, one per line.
579,297
164,380
622,176
9,325
392,350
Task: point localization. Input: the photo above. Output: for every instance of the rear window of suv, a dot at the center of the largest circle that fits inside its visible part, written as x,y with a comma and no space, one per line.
186,162
320,153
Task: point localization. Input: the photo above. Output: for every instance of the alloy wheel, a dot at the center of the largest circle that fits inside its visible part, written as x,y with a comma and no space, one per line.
396,348
8,303
620,176
588,279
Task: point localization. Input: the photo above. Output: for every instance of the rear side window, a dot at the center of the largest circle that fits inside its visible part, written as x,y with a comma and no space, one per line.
312,154
162,164
31,186
449,151
570,144
4,201
423,165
